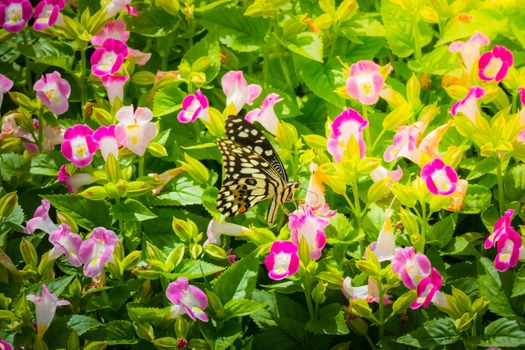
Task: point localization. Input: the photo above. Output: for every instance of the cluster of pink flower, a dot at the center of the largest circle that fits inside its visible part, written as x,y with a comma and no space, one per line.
14,14
93,253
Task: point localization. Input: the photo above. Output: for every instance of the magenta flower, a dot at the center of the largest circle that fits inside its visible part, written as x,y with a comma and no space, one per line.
97,250
469,106
502,226
238,91
509,245
46,13
365,82
109,58
347,124
194,106
216,230
426,289
114,85
470,49
5,85
5,345
494,65
115,29
283,260
115,6
14,14
412,267
107,141
65,242
304,223
135,130
78,146
75,181
187,299
440,178
266,115
53,91
41,219
45,308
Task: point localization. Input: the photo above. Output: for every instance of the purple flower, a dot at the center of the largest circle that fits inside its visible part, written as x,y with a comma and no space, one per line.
135,130
266,115
114,85
65,242
411,266
347,124
107,141
365,82
97,250
78,146
115,29
495,65
304,223
14,14
193,107
283,260
46,13
470,49
187,299
109,58
41,219
426,289
238,91
441,179
75,181
469,106
53,91
45,308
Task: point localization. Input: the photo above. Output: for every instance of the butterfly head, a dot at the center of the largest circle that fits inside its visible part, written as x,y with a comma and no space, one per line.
292,187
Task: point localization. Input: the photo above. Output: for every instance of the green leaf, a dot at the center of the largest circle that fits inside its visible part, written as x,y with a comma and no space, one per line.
114,332
196,269
439,62
167,100
53,53
331,321
131,210
221,338
81,323
503,332
477,199
241,307
239,280
441,232
482,168
181,191
436,332
86,213
47,163
307,44
490,287
365,51
146,314
12,166
208,47
244,34
519,283
209,201
152,22
404,301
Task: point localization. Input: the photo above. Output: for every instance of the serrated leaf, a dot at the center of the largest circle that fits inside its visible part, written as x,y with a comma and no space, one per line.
331,321
239,280
81,323
181,191
490,287
86,213
241,307
432,333
167,100
503,332
308,45
131,210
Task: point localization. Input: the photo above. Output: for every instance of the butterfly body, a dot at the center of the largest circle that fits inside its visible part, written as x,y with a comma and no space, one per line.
253,171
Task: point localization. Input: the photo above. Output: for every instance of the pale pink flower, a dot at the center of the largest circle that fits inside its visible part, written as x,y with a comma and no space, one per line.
405,143
347,124
140,58
283,260
194,106
135,130
469,105
457,198
304,223
114,85
238,91
41,219
315,198
115,6
14,14
75,181
426,289
494,65
470,49
107,141
368,292
412,267
365,82
47,13
97,250
381,172
53,91
109,58
441,179
45,308
217,229
65,242
78,146
5,85
187,299
115,29
266,115
385,246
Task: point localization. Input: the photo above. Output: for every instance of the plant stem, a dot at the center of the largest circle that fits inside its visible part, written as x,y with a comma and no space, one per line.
350,204
334,39
40,141
141,165
82,81
376,142
266,58
286,72
381,309
308,295
367,129
501,196
372,345
415,32
514,101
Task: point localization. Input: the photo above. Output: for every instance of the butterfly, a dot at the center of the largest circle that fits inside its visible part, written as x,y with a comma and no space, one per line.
253,171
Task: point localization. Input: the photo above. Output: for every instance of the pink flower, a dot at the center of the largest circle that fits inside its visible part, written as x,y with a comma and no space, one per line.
5,345
53,91
347,124
115,6
283,260
368,292
97,250
5,85
426,289
509,245
45,308
469,106
494,65
41,219
441,179
109,58
238,91
187,299
14,14
114,85
405,143
303,223
193,107
430,143
411,266
135,130
385,246
46,13
107,141
216,230
365,82
78,146
315,198
266,115
470,49
75,181
457,198
140,58
381,172
115,29
502,226
67,243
